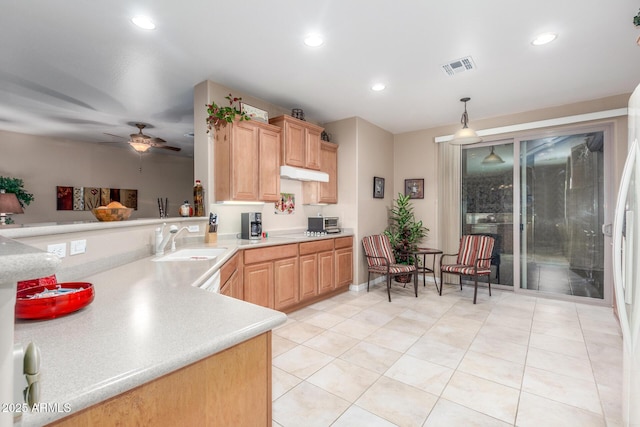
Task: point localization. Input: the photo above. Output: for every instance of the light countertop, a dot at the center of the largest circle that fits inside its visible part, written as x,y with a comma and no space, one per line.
147,319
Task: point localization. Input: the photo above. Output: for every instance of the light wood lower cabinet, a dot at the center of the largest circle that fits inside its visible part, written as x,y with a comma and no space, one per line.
230,388
326,272
344,261
323,276
288,277
258,284
231,283
285,283
308,276
266,269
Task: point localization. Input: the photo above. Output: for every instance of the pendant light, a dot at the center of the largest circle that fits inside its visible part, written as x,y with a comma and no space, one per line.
492,158
466,135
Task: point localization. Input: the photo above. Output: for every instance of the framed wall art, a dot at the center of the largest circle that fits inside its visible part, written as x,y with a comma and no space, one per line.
414,188
378,187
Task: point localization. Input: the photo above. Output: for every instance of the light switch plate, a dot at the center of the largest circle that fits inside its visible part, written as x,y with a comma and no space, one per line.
77,247
59,249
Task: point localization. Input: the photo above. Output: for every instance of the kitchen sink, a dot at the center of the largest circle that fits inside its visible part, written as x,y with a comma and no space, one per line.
195,254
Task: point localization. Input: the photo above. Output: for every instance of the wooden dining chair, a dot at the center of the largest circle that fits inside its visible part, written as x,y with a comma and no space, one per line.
473,259
380,260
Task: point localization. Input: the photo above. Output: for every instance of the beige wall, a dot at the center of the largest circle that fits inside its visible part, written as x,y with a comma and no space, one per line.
44,163
375,156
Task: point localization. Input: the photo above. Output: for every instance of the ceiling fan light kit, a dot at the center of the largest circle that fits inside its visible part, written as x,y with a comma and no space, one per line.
142,143
466,135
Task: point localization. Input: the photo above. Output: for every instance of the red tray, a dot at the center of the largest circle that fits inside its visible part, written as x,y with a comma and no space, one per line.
48,307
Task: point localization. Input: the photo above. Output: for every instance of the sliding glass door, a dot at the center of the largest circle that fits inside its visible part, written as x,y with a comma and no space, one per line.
562,212
487,202
543,199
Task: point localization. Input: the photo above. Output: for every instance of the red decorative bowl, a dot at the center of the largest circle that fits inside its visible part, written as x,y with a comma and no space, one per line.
42,281
36,303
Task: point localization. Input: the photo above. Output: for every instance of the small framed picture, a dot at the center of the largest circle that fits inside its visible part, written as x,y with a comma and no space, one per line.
414,188
378,187
254,113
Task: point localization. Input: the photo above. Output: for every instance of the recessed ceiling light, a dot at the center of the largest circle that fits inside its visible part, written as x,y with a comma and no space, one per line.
378,87
313,40
544,39
143,22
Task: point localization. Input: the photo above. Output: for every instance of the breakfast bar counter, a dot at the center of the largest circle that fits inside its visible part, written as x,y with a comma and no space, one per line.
147,320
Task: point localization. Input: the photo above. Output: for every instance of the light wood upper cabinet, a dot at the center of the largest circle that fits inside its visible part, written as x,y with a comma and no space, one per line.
300,142
324,192
247,161
312,147
269,170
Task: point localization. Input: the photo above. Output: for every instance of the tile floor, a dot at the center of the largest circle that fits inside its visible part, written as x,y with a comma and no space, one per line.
358,360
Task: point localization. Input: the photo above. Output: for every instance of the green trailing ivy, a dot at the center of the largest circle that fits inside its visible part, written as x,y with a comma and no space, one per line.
404,231
218,115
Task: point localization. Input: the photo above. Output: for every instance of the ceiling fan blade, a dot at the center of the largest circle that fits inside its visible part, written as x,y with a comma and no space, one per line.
115,136
158,141
168,147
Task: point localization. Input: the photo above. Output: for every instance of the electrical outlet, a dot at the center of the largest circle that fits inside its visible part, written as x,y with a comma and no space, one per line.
193,228
59,249
77,247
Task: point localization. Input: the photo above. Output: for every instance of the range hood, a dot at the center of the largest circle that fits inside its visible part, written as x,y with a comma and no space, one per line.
301,174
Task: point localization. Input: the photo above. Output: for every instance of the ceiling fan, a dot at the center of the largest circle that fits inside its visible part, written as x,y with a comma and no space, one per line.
142,143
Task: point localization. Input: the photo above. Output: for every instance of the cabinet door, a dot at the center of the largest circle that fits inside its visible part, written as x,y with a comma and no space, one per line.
235,283
244,161
286,283
294,144
308,276
269,171
344,267
312,148
258,284
329,164
324,192
326,272
225,289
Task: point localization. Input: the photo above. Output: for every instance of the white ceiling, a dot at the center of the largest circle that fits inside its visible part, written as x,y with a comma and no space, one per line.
78,68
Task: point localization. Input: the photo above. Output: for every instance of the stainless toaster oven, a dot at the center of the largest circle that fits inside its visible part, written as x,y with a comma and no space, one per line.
326,224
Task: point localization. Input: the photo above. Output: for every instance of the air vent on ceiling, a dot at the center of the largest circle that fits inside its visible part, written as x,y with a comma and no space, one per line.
458,66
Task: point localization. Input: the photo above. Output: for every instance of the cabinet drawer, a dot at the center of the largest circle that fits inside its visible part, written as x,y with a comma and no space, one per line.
230,266
344,242
252,256
315,247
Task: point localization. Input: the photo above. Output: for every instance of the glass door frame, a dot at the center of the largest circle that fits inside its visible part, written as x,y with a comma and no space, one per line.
607,127
609,200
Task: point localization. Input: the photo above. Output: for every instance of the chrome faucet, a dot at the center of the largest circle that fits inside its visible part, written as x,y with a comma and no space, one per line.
161,240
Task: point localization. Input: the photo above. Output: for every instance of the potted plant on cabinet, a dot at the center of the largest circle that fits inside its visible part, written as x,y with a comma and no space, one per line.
220,116
15,186
404,232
